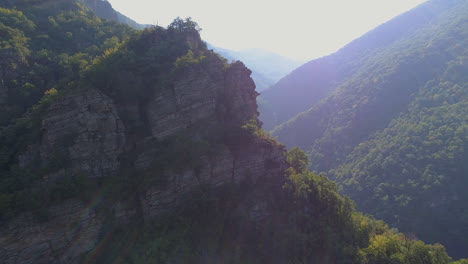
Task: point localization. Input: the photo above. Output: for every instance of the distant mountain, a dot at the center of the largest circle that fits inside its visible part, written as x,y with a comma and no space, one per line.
267,67
315,80
103,9
387,117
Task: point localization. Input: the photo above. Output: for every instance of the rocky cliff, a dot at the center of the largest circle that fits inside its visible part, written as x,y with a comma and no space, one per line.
177,138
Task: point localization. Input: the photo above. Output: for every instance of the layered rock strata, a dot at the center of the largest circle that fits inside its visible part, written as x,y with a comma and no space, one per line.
92,129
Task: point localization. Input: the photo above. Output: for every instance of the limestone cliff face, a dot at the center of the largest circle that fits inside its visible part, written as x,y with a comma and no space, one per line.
103,137
213,92
87,124
71,230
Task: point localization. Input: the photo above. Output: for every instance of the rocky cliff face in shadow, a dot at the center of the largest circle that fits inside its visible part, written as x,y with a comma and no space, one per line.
181,137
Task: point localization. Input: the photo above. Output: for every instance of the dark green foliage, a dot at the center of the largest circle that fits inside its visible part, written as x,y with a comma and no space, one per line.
148,61
13,45
249,132
394,248
306,221
416,167
298,159
46,44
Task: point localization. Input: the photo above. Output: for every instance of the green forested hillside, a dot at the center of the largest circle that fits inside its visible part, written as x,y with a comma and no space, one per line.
394,134
317,79
54,49
414,172
48,48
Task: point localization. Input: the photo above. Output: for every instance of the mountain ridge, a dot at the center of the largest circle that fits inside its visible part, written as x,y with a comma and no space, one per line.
293,95
103,9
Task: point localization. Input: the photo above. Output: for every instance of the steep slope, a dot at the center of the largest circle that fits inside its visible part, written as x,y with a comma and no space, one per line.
148,124
103,9
317,79
153,153
413,173
394,133
267,67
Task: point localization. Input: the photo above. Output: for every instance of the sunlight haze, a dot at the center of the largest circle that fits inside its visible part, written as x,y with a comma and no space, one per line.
298,29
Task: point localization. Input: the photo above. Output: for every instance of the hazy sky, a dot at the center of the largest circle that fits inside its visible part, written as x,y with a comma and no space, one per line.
300,29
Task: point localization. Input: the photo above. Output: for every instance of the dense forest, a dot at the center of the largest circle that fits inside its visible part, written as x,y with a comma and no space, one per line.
393,129
58,54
